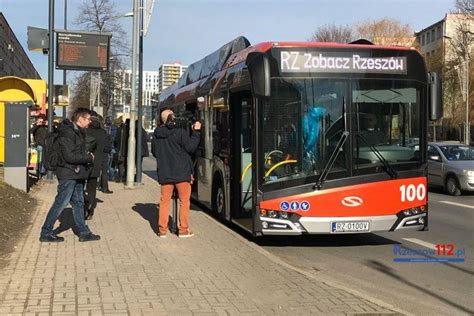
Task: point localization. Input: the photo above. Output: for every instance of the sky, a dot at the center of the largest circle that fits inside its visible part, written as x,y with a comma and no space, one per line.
188,30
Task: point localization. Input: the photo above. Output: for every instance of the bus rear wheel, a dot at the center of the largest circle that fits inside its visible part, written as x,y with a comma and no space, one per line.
218,201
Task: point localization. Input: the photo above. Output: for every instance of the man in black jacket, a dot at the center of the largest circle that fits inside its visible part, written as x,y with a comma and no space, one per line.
174,148
102,145
121,142
71,177
40,132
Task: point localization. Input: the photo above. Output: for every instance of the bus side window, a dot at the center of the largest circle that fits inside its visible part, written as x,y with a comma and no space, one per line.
202,143
220,128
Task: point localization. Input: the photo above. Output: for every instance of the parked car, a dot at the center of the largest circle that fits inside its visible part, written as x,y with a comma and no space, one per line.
451,166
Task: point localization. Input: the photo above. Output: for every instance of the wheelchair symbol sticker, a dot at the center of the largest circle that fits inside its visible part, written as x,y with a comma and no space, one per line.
284,206
305,206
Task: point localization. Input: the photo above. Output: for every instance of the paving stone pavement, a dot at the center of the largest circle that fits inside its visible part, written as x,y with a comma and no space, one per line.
132,272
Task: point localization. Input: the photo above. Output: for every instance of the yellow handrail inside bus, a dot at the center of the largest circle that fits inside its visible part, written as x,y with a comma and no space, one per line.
284,162
245,172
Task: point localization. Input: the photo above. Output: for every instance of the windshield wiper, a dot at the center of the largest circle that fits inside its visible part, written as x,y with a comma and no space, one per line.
386,166
322,178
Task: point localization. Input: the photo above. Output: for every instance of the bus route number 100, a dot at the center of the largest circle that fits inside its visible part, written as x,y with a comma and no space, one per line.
411,192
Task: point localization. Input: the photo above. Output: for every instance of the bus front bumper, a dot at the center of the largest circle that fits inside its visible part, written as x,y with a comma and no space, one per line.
326,225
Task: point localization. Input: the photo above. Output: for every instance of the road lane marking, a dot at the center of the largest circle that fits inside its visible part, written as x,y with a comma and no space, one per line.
457,204
421,243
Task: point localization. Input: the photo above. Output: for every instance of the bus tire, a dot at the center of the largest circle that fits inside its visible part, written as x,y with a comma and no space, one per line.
218,198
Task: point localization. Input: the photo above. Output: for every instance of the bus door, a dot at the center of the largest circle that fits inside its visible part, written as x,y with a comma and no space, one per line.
202,185
241,185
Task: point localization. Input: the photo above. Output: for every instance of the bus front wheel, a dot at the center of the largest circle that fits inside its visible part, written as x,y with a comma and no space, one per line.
218,200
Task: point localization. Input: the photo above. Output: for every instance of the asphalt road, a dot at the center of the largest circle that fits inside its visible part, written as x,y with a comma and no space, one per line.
366,264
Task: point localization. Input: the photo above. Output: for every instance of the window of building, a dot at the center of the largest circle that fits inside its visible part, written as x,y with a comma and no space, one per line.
439,32
423,40
433,36
428,38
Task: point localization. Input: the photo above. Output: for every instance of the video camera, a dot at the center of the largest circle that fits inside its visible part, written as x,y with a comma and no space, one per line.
183,120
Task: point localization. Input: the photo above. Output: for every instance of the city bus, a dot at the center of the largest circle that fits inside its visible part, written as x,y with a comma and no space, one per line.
310,138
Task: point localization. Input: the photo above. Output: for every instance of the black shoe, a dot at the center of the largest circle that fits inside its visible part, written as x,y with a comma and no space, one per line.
89,237
107,191
51,238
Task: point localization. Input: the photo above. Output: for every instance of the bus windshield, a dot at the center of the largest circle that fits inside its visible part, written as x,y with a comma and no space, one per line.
305,118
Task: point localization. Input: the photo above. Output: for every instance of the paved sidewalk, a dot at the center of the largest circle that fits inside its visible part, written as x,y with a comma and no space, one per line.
132,272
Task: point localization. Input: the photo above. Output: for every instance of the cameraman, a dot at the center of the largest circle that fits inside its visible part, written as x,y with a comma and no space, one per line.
174,148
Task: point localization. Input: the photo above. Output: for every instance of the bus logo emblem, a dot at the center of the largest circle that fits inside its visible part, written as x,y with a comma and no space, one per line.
352,201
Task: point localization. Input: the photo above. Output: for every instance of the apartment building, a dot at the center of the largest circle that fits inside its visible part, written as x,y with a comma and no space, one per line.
438,39
169,74
13,59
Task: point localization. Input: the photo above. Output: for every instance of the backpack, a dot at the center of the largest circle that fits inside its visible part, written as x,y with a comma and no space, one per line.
52,157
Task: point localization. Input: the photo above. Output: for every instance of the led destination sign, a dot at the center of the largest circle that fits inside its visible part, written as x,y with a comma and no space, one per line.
296,61
83,51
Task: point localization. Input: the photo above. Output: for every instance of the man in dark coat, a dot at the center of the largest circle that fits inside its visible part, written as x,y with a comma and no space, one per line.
174,148
101,138
121,142
40,132
71,174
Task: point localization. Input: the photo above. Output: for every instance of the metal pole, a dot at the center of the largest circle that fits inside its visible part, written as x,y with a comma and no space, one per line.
64,71
468,131
49,175
99,107
140,98
133,114
112,96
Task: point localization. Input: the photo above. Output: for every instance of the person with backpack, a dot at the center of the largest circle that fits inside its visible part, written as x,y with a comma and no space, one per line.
66,154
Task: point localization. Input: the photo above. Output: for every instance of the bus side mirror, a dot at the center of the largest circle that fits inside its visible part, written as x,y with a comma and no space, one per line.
259,69
436,96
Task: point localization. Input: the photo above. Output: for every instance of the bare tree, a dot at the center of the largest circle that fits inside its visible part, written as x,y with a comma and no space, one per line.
384,31
459,52
101,16
465,6
333,33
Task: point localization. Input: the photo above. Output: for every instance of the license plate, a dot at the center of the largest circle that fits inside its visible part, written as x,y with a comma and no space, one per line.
349,227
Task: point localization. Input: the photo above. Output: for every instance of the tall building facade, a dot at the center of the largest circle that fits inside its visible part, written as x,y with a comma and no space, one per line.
13,59
448,47
122,96
153,83
169,74
438,40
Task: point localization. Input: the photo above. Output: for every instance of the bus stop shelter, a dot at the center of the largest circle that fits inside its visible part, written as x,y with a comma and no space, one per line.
18,97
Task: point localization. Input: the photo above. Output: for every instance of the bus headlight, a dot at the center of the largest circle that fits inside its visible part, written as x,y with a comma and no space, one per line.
272,214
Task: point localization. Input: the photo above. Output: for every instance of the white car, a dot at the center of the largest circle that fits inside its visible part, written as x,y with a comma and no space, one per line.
451,166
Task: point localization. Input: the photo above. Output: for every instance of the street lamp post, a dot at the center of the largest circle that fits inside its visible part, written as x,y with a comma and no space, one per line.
140,97
133,114
64,71
49,175
467,130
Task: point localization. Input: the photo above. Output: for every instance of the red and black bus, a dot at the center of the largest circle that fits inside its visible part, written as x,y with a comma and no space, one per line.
311,138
